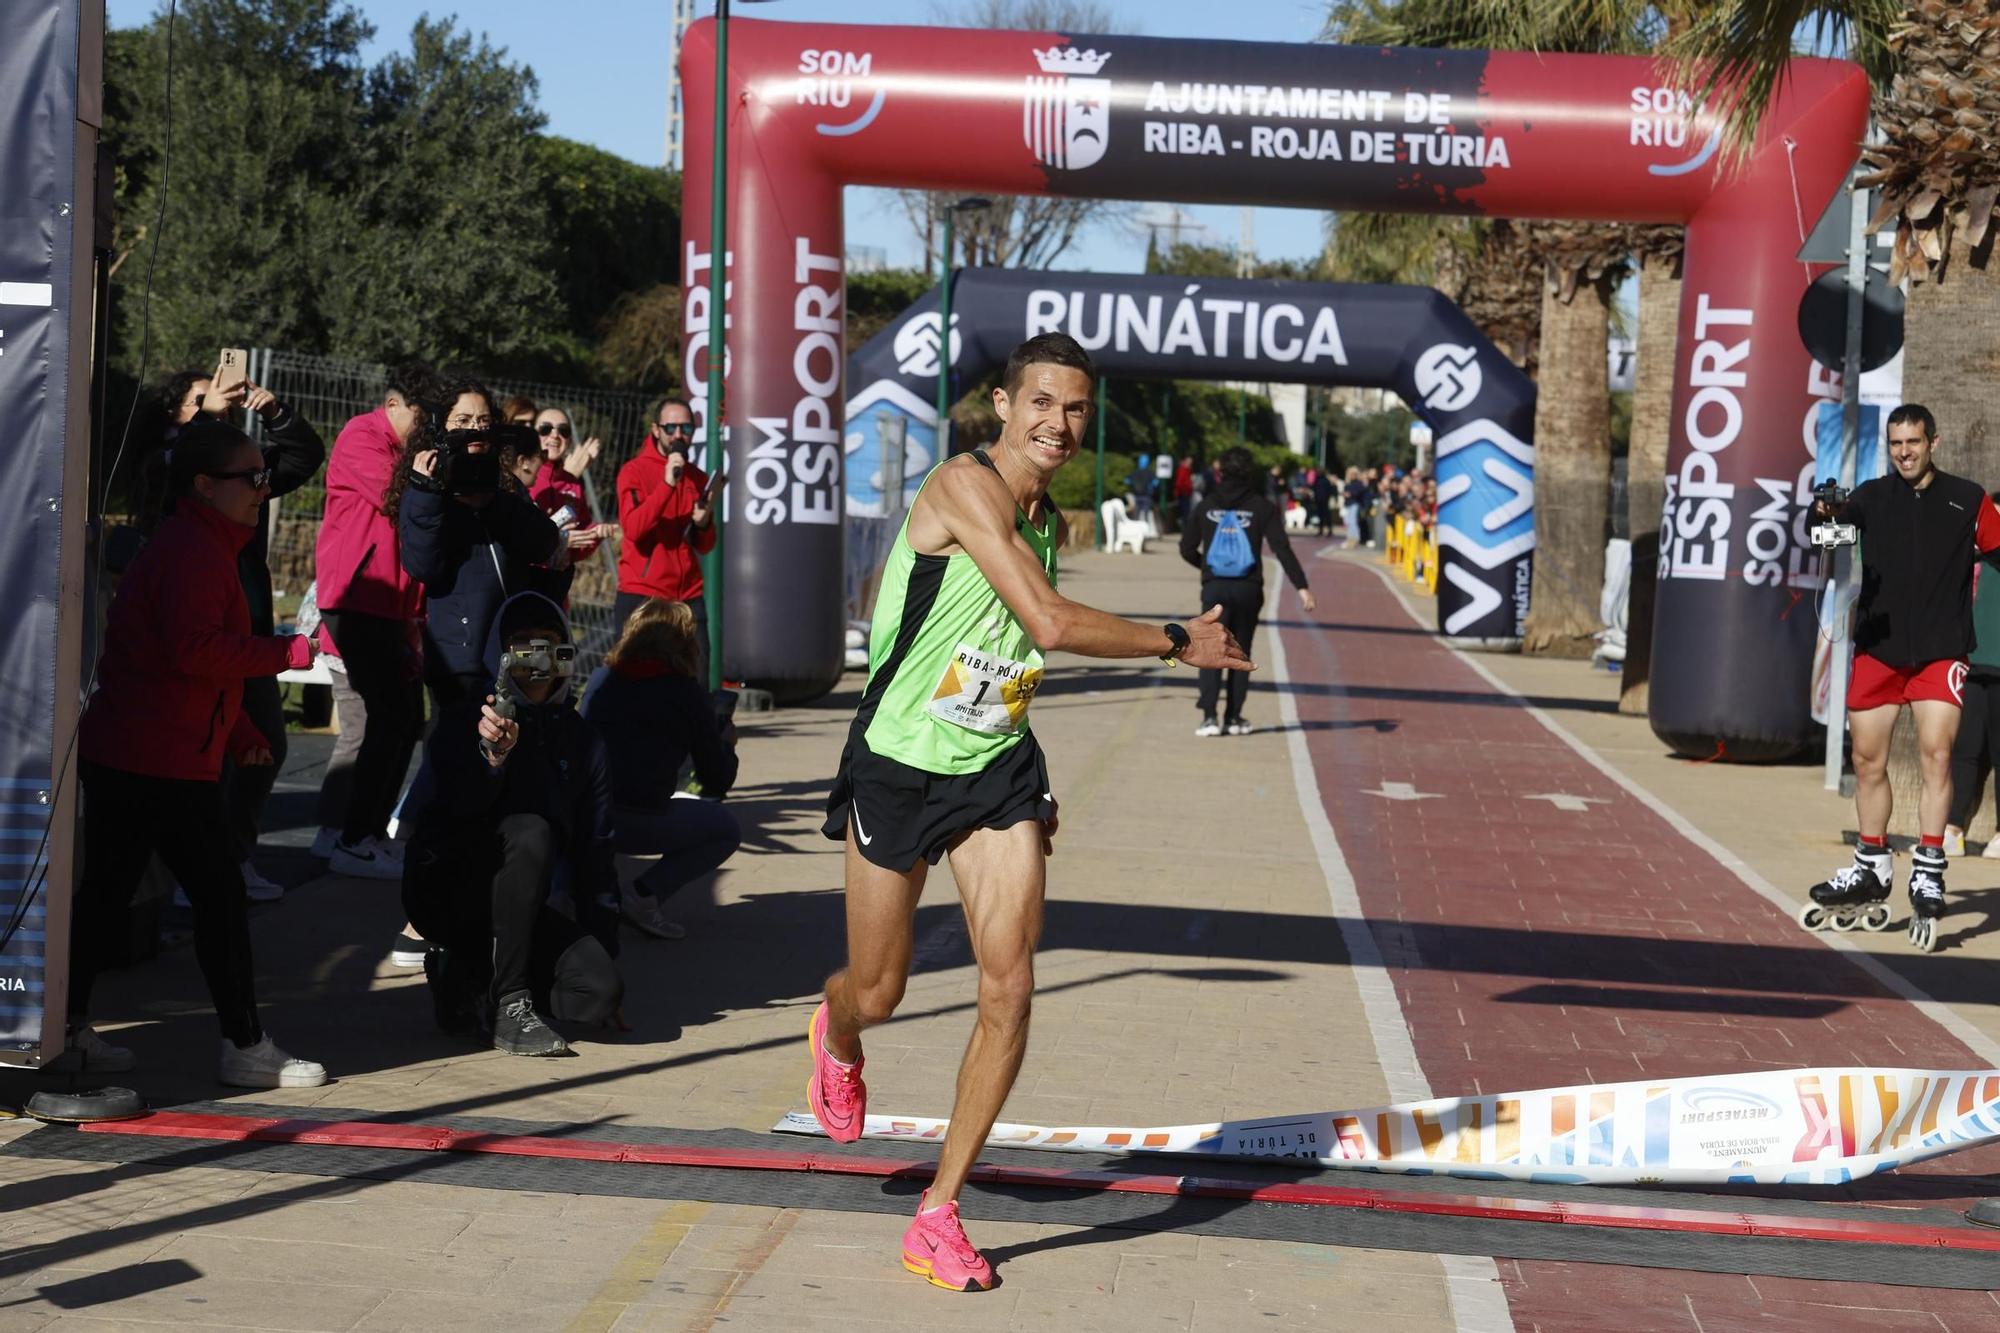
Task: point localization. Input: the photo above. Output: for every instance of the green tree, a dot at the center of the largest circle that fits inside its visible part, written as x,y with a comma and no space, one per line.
1187,259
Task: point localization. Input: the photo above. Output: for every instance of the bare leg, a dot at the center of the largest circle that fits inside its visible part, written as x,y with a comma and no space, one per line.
1001,875
881,908
1873,800
1937,730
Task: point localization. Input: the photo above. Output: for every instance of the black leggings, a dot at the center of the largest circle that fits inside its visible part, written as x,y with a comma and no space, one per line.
375,651
1242,601
1977,746
127,818
480,891
246,788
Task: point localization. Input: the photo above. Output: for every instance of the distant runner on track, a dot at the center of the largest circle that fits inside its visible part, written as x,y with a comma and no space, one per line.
940,761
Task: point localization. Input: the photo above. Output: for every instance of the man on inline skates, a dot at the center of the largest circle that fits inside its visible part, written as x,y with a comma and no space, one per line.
1921,530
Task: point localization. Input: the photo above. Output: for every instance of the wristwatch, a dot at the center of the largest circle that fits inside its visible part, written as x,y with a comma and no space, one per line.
1177,635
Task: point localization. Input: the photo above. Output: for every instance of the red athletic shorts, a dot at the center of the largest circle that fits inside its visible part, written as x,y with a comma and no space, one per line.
1874,684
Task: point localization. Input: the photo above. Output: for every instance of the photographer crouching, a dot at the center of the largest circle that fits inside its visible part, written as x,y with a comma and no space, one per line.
515,787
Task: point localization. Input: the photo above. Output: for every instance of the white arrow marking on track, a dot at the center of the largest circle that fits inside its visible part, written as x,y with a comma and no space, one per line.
1562,800
1401,791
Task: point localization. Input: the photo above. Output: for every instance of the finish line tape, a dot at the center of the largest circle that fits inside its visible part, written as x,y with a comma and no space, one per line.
434,1138
1783,1127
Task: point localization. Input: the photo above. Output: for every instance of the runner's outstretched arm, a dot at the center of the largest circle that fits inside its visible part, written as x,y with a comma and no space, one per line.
971,508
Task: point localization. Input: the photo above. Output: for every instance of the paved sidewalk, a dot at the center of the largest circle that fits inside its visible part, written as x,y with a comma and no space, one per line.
1197,963
1190,969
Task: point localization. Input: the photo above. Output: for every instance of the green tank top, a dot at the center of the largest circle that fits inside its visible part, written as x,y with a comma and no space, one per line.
951,672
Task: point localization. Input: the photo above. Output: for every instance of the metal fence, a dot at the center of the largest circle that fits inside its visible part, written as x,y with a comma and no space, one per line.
328,391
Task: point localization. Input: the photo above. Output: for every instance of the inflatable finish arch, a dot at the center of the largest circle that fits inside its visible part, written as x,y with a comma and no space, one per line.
1480,406
817,107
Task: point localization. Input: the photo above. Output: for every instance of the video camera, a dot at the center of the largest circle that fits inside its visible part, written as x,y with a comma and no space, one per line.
1831,534
542,660
463,469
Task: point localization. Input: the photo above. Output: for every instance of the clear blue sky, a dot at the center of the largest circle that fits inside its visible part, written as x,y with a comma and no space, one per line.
602,65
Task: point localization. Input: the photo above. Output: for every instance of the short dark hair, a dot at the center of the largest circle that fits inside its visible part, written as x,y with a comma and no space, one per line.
1917,413
1046,349
677,400
413,382
1239,466
202,446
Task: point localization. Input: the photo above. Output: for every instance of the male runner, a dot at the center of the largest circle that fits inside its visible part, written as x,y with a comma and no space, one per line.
1921,530
940,761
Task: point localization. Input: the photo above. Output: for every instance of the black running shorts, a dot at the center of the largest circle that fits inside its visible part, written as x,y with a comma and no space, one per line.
902,815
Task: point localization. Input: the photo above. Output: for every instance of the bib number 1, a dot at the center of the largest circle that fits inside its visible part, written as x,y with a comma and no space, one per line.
984,692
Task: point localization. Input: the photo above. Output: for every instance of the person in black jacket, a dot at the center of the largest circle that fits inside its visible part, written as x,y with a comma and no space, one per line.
470,542
654,716
293,451
1224,539
1921,530
502,804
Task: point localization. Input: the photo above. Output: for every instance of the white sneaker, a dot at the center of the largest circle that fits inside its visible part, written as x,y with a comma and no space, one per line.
87,1053
408,951
260,889
1209,727
265,1066
1239,728
647,914
368,859
324,841
1992,852
1954,842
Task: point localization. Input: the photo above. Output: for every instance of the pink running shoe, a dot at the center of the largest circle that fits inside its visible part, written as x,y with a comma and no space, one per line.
935,1248
836,1094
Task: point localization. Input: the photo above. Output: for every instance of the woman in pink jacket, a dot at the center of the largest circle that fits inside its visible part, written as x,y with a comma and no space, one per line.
167,707
372,614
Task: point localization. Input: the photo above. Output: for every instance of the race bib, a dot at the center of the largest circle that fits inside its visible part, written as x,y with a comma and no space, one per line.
983,691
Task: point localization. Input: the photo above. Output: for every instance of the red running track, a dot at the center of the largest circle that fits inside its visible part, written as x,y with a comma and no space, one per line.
1532,946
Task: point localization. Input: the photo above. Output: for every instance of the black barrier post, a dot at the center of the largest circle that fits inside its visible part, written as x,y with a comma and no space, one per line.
1103,539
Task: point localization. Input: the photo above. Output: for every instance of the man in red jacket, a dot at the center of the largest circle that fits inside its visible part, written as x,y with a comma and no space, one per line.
372,612
665,511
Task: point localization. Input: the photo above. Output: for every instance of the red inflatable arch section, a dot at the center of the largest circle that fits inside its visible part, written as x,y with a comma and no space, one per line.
814,108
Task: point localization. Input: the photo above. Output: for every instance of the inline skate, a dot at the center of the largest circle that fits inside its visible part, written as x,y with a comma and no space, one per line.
1855,895
1926,897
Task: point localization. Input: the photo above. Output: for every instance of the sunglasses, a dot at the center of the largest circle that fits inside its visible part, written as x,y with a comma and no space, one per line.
552,428
256,478
676,428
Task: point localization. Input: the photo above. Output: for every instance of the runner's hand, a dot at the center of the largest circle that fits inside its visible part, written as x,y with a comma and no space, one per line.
1049,827
1210,644
1308,601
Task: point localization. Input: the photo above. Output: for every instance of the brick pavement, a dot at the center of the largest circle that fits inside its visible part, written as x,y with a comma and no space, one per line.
1534,945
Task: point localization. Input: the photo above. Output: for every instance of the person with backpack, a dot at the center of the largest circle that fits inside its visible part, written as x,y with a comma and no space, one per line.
1224,539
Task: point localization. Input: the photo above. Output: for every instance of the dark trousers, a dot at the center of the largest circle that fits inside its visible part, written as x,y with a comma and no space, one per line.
247,788
127,818
626,603
1242,601
373,650
691,838
1978,743
480,891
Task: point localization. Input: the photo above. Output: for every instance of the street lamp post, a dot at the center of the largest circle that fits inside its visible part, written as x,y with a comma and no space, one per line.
950,211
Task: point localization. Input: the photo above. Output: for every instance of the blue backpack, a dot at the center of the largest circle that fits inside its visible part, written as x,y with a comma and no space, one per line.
1229,554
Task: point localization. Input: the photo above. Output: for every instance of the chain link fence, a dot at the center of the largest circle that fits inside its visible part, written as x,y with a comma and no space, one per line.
328,391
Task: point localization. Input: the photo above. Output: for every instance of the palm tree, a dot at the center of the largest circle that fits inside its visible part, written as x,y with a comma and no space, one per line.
1581,266
1936,69
1658,252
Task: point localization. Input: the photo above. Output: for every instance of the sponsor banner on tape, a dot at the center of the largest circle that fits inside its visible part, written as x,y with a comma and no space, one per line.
1781,1127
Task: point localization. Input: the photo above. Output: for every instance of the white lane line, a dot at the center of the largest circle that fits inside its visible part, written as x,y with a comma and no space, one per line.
1895,982
1472,1282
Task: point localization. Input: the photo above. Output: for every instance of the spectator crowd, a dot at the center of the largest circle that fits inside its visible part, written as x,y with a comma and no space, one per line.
443,564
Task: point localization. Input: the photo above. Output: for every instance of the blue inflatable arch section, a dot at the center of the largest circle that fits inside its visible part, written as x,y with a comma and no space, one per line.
1414,340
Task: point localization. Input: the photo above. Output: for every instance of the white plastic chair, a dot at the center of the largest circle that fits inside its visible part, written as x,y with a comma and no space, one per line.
1120,530
1296,519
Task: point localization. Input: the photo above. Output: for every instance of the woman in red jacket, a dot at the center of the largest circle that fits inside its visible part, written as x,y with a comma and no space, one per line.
168,705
